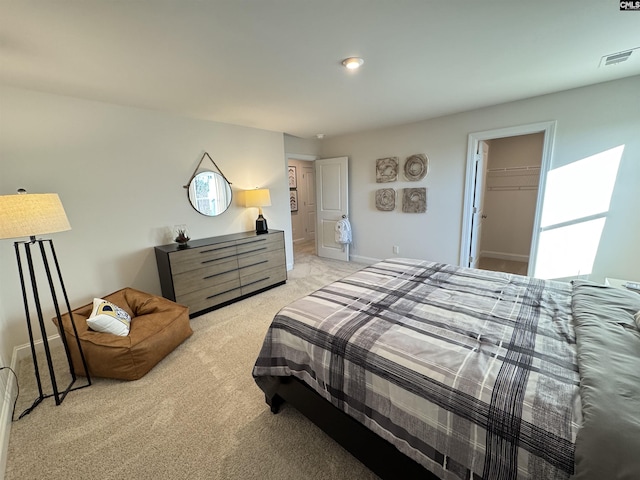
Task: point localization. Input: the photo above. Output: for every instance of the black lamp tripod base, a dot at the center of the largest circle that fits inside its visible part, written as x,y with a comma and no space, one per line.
57,394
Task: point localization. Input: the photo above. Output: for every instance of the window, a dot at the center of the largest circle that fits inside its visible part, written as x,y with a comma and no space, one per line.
576,204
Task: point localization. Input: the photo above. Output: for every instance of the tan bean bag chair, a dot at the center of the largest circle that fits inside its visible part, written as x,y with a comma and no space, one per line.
158,326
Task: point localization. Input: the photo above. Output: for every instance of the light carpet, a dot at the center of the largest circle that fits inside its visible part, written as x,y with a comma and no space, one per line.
197,415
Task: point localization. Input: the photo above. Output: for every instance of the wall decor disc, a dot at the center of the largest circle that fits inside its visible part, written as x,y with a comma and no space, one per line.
386,169
414,200
386,199
416,167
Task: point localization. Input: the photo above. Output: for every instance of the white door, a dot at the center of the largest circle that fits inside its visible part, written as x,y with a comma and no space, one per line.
332,200
309,202
478,216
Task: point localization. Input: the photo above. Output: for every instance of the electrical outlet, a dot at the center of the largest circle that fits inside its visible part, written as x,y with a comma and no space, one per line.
396,249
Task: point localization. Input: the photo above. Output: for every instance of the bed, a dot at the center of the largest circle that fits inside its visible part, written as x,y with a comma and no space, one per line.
429,370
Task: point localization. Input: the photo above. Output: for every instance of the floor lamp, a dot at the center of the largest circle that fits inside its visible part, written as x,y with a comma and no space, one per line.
28,215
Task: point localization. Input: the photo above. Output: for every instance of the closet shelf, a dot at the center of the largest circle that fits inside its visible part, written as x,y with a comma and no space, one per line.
514,171
513,178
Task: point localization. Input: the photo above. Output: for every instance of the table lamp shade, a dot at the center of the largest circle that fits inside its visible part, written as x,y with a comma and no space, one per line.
258,198
31,214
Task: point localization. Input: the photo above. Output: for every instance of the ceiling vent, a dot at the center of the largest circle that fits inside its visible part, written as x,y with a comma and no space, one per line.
616,58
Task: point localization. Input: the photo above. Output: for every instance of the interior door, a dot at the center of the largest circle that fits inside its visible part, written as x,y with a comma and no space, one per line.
332,200
309,202
481,155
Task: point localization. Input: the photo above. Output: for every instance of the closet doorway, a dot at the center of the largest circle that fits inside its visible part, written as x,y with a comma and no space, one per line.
503,199
510,195
302,191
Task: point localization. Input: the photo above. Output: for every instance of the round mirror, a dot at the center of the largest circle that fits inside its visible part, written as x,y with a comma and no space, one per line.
209,193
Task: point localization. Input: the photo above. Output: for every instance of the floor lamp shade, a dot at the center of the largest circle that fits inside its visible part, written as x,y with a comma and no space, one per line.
31,214
28,215
260,197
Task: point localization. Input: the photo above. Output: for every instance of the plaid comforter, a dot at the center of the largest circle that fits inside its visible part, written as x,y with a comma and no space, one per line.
470,373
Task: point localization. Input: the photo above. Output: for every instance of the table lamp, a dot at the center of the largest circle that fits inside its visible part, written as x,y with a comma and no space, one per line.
259,197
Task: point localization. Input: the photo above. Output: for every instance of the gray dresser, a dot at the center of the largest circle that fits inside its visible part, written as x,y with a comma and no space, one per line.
212,272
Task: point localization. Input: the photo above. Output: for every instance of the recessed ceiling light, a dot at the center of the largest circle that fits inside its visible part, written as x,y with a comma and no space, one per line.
352,62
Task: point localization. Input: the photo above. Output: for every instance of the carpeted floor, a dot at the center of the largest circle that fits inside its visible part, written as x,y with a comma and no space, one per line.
499,265
197,415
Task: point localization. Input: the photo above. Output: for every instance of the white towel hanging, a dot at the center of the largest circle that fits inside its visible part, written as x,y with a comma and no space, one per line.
343,231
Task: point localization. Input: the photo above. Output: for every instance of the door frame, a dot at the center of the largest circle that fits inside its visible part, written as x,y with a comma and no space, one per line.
304,158
307,201
477,219
548,129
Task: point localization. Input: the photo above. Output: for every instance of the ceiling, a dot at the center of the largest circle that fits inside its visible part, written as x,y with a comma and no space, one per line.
276,64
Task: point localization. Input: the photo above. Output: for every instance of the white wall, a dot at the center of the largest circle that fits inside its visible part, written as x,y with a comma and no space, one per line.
427,235
302,146
120,173
589,120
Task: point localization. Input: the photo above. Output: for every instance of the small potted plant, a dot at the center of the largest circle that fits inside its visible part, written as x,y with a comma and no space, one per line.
182,237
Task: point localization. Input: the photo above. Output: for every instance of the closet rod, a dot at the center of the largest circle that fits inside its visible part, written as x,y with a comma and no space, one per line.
514,169
513,188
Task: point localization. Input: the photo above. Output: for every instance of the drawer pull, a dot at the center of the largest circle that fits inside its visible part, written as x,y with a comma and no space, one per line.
219,258
216,249
254,264
216,274
257,281
222,293
252,241
252,251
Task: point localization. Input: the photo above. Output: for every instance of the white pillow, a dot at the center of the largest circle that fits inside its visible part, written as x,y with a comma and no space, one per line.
108,318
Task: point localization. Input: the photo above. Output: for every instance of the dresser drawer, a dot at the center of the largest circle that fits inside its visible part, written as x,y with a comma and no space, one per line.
248,253
257,263
263,279
210,296
263,249
261,243
221,271
194,258
198,307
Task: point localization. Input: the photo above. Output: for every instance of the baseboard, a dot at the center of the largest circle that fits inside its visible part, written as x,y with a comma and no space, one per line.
5,421
514,257
8,385
362,259
9,391
24,351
